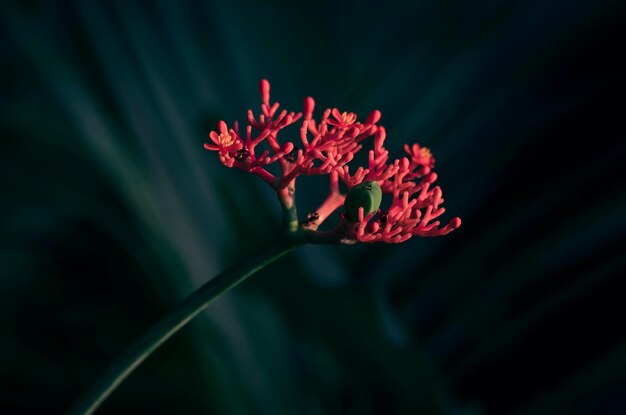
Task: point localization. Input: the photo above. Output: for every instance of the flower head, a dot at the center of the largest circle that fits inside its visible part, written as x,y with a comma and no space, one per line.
343,119
327,147
225,141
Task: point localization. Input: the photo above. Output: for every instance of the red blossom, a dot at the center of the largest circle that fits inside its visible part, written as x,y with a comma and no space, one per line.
422,159
326,148
342,119
225,141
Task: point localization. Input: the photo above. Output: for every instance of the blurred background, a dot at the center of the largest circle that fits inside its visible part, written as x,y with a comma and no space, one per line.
111,212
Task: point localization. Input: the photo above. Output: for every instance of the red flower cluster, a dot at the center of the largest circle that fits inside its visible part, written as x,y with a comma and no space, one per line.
327,147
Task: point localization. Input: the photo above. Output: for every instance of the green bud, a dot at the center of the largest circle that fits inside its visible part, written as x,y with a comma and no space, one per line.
367,195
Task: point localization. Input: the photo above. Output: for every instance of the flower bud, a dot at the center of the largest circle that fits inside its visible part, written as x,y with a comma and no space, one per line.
367,195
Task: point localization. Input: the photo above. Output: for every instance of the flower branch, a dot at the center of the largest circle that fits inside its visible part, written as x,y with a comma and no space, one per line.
327,148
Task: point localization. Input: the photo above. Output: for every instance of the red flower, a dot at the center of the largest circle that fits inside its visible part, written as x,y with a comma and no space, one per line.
225,141
343,119
327,147
420,156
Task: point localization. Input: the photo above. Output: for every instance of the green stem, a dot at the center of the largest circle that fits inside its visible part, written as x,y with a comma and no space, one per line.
287,198
170,324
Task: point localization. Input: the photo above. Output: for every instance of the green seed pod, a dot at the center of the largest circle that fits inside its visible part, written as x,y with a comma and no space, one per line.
367,195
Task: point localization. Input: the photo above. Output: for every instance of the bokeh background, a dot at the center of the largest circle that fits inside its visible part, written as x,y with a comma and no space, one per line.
111,212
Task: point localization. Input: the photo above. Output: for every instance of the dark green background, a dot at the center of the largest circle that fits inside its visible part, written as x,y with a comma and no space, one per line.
111,212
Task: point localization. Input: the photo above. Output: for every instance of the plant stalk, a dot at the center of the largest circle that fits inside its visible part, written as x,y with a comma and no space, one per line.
170,324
